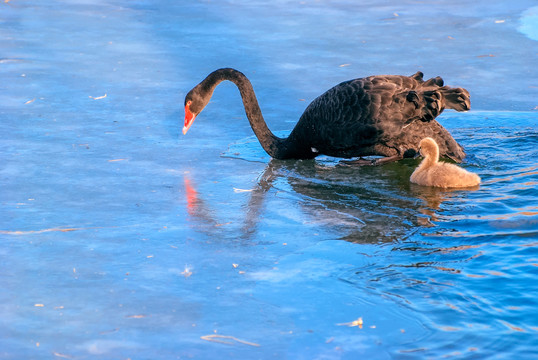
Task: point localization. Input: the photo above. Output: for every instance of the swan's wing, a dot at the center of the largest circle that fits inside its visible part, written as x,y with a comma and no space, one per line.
340,122
409,139
407,98
363,116
411,115
405,109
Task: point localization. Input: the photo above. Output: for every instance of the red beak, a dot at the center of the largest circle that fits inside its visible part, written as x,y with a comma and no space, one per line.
189,119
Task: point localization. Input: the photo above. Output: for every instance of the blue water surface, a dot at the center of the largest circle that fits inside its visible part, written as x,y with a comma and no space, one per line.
120,238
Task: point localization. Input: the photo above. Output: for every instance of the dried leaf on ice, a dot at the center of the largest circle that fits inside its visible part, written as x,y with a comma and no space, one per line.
37,231
187,272
62,355
237,190
135,316
226,339
98,97
357,322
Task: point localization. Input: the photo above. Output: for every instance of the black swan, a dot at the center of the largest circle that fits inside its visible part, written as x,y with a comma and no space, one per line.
385,115
431,172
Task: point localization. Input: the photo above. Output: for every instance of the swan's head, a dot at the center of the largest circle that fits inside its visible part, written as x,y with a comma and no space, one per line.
191,111
428,147
194,104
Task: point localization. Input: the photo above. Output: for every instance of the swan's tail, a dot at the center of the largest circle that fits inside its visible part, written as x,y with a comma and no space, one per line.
456,98
436,81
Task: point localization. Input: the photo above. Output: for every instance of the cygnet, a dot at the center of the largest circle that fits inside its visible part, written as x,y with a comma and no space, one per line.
431,172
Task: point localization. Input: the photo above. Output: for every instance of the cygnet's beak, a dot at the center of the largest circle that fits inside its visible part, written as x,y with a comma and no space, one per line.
417,154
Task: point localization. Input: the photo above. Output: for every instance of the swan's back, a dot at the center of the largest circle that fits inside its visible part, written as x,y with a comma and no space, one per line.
380,115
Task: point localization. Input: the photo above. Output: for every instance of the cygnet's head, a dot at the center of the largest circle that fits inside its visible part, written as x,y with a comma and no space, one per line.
428,147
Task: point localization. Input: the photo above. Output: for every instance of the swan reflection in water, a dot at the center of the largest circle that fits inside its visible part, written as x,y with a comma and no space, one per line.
365,205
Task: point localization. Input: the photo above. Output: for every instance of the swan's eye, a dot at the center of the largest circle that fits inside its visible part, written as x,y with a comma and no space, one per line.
189,103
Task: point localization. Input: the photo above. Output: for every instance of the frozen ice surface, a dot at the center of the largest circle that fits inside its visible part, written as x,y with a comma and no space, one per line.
120,238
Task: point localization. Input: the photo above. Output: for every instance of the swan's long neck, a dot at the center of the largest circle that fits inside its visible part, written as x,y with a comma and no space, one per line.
276,147
431,157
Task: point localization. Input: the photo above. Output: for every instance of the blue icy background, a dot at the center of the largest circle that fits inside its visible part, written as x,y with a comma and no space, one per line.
120,238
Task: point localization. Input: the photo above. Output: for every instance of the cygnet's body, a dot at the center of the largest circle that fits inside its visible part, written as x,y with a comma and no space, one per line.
431,172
